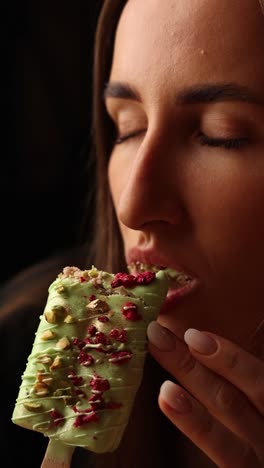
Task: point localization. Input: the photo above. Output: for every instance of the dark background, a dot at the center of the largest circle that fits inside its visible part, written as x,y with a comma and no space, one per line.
44,176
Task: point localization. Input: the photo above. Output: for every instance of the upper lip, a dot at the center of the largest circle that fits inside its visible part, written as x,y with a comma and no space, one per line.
151,257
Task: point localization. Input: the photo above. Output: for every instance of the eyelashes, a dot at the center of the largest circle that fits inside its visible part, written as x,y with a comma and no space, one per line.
120,139
226,143
204,140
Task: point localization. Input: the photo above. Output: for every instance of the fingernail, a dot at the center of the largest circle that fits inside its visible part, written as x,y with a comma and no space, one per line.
161,337
200,342
175,397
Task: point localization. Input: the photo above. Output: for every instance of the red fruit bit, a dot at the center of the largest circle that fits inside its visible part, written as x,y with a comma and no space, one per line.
102,318
130,312
130,281
120,357
86,418
118,335
85,359
57,417
99,384
96,401
92,330
76,380
92,297
83,280
145,278
101,338
78,342
123,279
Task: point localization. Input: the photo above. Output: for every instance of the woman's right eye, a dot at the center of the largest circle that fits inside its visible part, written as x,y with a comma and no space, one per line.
127,136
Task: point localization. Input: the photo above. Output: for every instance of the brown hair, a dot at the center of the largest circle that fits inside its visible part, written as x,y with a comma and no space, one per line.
147,441
108,243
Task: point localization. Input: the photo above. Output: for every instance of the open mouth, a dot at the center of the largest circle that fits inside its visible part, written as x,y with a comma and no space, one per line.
177,279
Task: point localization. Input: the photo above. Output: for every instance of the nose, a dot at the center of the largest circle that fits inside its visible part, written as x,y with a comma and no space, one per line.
152,191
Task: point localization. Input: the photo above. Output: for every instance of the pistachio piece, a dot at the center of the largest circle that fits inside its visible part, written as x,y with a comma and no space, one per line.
63,343
48,335
44,359
33,407
56,314
70,319
57,363
41,389
61,289
98,304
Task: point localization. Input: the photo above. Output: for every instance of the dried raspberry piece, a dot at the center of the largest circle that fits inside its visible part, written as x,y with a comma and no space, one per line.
57,417
103,318
101,338
145,277
86,418
92,297
83,280
120,357
78,342
130,281
118,335
96,401
85,359
92,330
76,379
123,279
130,312
99,384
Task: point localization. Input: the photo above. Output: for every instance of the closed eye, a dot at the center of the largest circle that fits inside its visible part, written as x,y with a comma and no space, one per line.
127,136
226,143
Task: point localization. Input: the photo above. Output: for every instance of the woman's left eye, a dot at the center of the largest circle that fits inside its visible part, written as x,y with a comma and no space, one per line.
121,138
226,143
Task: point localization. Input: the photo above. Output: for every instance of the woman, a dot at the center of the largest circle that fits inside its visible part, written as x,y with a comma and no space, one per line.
179,136
179,129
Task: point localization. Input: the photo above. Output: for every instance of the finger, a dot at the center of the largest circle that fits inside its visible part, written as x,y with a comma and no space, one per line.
238,366
226,403
220,445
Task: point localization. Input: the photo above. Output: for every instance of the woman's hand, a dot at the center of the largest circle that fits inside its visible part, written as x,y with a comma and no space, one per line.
221,407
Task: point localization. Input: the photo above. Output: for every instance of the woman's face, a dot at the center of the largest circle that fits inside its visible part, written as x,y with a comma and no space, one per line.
186,93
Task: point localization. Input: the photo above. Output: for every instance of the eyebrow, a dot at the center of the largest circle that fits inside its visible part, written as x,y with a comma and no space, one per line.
191,95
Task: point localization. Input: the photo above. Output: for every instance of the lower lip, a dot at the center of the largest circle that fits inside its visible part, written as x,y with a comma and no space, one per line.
177,295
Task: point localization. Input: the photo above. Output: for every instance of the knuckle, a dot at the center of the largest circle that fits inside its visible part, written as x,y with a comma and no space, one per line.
231,359
228,399
187,363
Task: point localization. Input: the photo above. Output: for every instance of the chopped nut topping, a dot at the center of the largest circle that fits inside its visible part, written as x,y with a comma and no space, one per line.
57,363
33,407
48,335
70,319
41,389
98,304
44,359
63,343
56,314
61,289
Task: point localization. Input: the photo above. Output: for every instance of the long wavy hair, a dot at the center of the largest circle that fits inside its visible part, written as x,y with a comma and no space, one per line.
108,243
148,437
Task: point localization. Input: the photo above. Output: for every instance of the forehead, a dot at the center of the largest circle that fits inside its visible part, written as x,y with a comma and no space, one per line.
190,40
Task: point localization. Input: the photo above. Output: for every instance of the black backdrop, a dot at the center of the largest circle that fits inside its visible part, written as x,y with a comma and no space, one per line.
49,48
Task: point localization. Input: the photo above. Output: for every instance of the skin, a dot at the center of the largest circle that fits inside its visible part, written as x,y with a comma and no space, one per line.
198,203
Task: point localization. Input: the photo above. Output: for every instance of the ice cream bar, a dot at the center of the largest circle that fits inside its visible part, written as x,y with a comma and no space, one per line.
87,359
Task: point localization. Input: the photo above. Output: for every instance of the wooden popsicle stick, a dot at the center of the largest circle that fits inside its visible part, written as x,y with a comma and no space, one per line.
57,455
